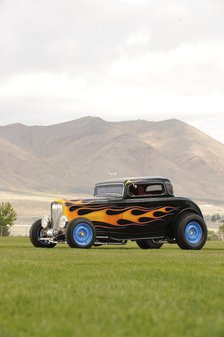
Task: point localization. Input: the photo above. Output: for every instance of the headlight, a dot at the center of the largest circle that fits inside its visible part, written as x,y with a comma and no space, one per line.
45,221
63,221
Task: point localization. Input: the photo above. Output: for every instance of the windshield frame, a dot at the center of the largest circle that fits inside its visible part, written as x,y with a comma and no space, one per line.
115,195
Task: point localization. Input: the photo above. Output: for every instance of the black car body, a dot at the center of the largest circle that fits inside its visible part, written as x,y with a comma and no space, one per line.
143,209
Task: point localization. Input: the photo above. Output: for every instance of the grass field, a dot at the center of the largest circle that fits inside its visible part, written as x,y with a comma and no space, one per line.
110,291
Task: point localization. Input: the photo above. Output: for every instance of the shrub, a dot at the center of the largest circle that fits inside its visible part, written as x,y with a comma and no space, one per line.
7,217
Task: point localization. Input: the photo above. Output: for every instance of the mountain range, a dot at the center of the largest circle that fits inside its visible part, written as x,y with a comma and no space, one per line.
70,157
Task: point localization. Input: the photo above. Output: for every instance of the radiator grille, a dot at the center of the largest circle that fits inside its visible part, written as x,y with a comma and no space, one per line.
56,213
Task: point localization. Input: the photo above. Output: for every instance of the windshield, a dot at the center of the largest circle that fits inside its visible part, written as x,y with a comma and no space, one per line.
109,190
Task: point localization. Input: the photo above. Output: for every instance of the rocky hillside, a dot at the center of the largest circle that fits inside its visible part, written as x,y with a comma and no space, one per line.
72,156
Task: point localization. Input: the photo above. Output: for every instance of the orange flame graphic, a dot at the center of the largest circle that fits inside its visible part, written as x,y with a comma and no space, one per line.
116,216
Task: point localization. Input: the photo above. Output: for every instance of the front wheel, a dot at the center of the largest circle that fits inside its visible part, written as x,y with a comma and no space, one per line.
36,235
81,233
191,232
149,244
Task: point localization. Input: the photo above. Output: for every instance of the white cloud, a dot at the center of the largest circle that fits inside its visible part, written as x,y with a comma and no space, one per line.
136,2
120,59
138,39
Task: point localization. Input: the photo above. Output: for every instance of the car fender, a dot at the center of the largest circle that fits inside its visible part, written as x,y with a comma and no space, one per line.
182,213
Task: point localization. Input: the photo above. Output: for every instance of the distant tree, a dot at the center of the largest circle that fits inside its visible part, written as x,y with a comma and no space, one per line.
7,217
213,218
221,229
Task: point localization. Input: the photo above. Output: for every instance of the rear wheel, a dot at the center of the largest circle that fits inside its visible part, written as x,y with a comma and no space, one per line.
37,233
191,232
81,233
149,244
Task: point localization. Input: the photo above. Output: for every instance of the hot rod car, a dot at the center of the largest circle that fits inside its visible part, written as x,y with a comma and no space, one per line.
144,210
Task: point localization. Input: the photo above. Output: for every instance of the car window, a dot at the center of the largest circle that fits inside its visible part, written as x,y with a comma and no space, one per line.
146,189
109,189
154,189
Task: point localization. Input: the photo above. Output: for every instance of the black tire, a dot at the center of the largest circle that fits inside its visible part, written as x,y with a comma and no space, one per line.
85,241
187,240
35,236
148,244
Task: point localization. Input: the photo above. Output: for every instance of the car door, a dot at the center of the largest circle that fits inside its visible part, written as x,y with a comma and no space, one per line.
148,211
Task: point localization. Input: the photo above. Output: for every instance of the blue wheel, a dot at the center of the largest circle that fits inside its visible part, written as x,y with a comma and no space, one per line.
191,231
81,233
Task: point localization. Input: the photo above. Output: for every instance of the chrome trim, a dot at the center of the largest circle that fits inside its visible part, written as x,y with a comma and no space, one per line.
56,213
50,233
63,221
45,222
121,243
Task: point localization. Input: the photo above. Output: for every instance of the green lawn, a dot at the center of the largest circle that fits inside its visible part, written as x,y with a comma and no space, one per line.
110,291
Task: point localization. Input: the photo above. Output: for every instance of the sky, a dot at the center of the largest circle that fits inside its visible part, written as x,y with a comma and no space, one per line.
116,59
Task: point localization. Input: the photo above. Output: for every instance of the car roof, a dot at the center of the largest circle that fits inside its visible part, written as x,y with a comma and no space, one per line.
134,180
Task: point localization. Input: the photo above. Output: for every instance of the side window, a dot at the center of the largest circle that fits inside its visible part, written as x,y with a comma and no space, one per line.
155,189
137,190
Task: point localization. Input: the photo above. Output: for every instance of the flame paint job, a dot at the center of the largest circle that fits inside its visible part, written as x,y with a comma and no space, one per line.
131,218
144,214
118,216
